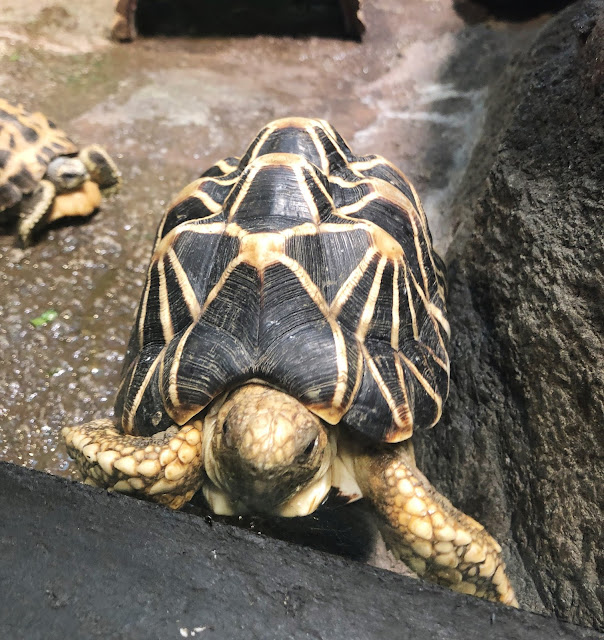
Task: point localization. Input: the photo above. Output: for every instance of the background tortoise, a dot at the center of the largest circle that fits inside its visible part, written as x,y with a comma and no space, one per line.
42,172
290,337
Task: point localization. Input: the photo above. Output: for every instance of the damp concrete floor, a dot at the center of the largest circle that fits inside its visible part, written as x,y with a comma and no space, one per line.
166,108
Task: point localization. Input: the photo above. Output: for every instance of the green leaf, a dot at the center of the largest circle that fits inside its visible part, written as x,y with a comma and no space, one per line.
44,318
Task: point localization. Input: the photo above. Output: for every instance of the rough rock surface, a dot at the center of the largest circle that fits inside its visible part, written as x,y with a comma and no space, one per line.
526,406
78,562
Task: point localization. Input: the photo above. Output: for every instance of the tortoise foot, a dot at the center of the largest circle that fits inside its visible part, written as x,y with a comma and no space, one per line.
429,534
165,468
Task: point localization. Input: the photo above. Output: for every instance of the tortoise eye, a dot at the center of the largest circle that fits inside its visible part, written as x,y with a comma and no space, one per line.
311,446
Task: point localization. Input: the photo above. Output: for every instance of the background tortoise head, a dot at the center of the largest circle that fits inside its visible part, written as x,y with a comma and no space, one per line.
66,173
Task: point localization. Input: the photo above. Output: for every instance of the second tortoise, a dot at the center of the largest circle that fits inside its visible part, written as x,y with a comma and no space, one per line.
44,175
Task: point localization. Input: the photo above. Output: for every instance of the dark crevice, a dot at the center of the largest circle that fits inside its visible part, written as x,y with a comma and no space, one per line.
193,18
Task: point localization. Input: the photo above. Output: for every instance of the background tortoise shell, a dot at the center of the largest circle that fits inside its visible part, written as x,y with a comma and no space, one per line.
303,266
28,142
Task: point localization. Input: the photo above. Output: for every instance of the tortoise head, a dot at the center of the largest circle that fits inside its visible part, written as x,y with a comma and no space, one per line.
265,452
66,173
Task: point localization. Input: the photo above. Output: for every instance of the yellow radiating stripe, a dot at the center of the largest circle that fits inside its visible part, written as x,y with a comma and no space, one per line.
243,192
419,253
225,167
319,147
172,379
233,264
304,229
329,131
396,317
363,165
192,226
317,297
358,205
351,282
208,202
369,308
143,308
130,413
306,193
430,311
410,299
403,386
429,390
332,227
357,380
164,303
172,383
440,316
383,387
261,141
347,184
185,286
320,185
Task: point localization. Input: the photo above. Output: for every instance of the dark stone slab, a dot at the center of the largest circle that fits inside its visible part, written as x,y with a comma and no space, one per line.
78,562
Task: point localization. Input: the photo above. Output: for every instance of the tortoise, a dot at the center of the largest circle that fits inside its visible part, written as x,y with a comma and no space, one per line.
44,175
291,335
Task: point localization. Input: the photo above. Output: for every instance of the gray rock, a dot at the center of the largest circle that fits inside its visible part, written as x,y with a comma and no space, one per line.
79,562
521,443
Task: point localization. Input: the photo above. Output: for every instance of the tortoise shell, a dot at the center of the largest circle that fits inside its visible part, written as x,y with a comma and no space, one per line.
302,266
28,142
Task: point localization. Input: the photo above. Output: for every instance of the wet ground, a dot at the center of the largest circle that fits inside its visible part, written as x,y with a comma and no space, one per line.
168,107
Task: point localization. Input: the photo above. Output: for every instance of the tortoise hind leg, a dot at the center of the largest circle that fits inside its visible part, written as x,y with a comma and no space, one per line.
35,210
427,532
165,468
101,167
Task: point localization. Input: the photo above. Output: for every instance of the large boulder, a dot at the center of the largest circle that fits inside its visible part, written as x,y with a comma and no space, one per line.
79,562
521,442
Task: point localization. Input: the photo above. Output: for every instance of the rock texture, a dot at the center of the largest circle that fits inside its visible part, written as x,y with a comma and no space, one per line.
521,444
78,562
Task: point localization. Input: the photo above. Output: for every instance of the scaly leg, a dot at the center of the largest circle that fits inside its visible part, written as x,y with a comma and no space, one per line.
426,531
35,209
101,167
165,468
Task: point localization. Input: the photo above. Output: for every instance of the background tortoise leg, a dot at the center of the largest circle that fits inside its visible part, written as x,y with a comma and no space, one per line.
427,532
101,168
165,468
35,208
123,28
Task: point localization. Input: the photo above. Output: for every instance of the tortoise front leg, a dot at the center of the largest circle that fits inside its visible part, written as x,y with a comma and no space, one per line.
165,468
426,531
123,27
35,210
